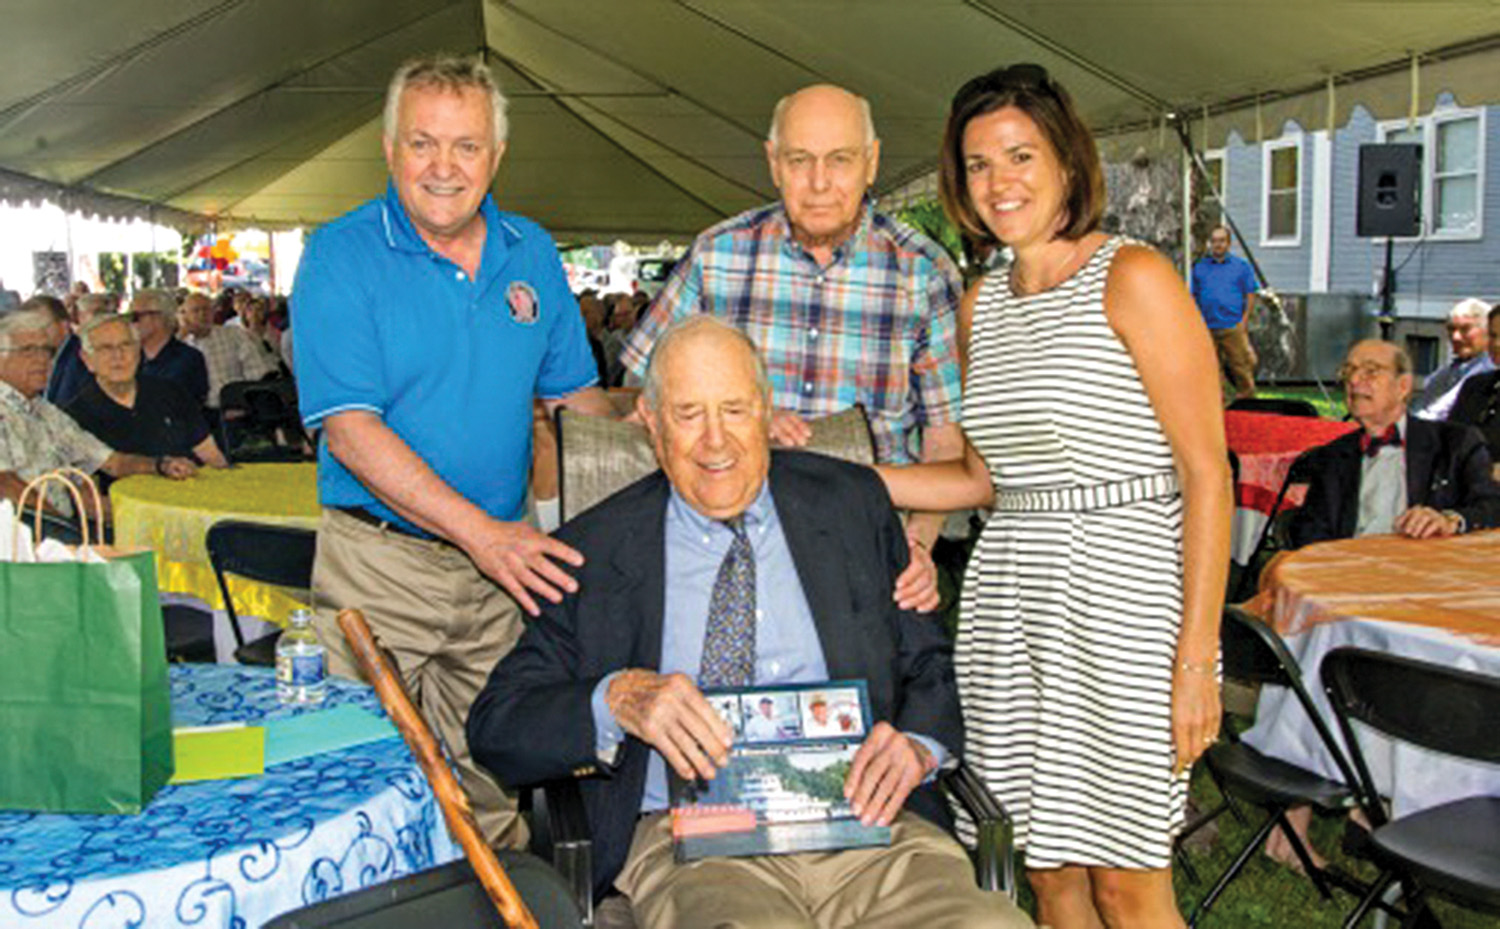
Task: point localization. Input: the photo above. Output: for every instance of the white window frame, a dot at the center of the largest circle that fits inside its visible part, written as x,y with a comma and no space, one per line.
1267,149
1427,126
1221,155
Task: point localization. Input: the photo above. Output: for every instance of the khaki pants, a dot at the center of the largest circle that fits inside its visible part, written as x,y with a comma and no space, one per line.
923,879
447,626
1236,358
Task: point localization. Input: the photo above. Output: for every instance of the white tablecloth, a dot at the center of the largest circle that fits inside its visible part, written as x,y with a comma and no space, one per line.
1412,778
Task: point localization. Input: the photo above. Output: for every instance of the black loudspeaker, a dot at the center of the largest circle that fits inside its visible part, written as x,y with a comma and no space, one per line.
1389,178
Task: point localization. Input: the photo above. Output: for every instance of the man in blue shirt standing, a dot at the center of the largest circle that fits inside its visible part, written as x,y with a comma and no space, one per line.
1225,287
427,323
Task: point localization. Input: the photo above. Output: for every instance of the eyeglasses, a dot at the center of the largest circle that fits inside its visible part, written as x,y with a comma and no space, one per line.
117,348
136,316
1025,76
1366,371
32,351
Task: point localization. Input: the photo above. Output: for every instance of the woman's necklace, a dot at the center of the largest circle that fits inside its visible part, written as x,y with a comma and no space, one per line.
1022,284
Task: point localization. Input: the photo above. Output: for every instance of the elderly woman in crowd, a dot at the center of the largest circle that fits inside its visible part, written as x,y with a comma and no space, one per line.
1087,651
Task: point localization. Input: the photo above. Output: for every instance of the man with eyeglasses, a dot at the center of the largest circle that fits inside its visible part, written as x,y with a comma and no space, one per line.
1396,473
142,415
163,355
37,437
847,305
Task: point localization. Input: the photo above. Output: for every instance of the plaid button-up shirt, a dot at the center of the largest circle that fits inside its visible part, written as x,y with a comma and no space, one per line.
231,355
37,437
876,326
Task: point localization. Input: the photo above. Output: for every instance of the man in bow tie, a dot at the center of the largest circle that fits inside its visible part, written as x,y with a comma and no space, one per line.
1396,473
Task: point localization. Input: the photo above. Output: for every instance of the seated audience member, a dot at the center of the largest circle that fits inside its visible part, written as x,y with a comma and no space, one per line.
229,351
592,309
256,320
676,566
1468,338
68,372
139,415
1396,473
163,355
37,437
1478,402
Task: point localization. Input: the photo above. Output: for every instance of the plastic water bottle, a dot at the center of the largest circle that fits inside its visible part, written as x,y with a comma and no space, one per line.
301,665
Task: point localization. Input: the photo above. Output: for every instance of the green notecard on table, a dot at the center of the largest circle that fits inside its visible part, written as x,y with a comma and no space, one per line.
215,753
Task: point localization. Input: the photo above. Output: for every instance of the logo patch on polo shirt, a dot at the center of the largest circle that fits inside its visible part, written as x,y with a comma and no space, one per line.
521,299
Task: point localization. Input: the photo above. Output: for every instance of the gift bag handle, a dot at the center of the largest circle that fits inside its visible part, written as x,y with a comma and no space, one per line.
39,485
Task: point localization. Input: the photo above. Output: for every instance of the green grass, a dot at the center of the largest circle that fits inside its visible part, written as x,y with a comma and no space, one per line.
1268,894
1329,407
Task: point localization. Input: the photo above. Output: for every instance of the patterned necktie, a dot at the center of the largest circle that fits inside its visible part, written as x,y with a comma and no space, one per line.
729,639
1372,444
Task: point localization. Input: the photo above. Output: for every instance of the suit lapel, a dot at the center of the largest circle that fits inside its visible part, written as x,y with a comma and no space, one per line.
1351,467
639,565
819,559
1421,448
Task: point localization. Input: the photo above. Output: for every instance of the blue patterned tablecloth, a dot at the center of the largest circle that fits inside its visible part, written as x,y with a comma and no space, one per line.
230,854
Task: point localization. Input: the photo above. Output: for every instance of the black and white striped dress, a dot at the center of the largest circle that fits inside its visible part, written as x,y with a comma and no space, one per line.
1074,595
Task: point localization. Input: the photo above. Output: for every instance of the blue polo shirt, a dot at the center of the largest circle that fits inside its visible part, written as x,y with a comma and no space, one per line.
1220,287
451,364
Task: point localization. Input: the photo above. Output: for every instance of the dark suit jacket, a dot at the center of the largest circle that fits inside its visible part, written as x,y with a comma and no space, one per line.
532,722
1447,468
1479,406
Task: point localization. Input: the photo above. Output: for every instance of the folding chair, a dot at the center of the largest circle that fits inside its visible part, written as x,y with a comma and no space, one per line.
1253,652
1282,406
1452,849
279,555
448,897
1273,537
597,457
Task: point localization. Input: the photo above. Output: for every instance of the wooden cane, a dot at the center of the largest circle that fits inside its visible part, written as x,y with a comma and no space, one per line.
429,755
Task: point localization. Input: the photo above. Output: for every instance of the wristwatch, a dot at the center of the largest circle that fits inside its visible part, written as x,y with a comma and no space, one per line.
1456,516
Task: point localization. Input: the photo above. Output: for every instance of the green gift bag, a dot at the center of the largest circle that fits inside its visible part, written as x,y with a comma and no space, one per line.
85,709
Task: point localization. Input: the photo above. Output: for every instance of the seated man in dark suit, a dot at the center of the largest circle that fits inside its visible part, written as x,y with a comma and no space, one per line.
676,565
1398,473
131,412
1478,402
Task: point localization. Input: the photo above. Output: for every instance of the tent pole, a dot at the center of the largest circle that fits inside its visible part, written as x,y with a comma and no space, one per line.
1187,219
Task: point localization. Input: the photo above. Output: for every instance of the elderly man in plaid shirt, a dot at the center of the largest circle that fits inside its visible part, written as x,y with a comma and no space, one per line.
848,305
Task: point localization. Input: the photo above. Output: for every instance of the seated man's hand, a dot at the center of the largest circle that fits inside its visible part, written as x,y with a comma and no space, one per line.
1423,522
178,469
917,587
886,769
520,559
669,713
789,429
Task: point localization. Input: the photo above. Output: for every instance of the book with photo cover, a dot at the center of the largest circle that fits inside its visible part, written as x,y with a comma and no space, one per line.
783,789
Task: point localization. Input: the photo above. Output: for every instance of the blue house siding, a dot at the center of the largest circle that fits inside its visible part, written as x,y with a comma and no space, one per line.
1285,267
1434,273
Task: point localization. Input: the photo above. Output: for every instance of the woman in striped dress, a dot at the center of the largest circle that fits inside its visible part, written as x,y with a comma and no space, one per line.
1087,648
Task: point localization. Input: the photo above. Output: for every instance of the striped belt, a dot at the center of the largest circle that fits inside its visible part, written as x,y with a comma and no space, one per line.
1088,497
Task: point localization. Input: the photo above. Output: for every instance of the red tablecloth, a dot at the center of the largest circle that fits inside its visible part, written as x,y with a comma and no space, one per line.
1266,445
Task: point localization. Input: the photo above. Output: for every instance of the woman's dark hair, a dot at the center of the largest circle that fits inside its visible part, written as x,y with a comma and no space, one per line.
1028,88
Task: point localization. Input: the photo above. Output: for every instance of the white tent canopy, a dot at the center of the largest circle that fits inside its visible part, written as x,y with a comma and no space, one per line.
643,118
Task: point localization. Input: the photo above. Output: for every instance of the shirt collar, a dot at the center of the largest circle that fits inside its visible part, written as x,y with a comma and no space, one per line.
14,399
401,235
760,512
862,231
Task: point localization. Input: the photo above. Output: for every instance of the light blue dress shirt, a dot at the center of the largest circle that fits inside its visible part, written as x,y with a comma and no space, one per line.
787,648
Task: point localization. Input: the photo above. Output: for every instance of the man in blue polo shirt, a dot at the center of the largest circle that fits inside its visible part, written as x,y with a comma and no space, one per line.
427,322
1225,287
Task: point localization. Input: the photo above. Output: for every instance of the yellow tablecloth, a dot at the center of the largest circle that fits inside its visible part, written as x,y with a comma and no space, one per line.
172,518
